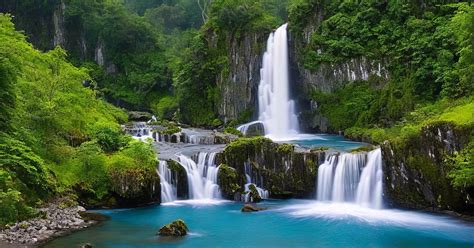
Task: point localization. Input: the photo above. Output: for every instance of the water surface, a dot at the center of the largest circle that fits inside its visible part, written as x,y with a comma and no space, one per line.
292,223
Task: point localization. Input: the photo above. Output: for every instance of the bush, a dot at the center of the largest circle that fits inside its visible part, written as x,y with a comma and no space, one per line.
109,136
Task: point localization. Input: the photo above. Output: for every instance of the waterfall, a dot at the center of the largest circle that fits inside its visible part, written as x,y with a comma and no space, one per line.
202,176
352,178
168,187
276,109
369,192
256,180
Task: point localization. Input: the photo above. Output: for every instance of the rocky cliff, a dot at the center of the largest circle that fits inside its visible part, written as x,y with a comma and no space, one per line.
238,83
278,168
325,77
416,172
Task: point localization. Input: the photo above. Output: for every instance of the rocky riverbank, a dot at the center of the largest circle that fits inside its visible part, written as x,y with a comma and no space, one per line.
54,220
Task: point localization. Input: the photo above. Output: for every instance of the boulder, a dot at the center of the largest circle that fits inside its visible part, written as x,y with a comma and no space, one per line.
176,228
253,193
250,208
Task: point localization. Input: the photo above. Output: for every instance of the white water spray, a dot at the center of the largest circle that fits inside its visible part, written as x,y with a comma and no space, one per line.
352,178
202,177
168,187
276,109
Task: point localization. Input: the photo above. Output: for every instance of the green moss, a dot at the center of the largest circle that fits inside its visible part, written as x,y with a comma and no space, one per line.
285,148
228,180
232,130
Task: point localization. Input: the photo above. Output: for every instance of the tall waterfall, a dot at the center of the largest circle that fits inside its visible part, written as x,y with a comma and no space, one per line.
352,178
276,109
202,176
168,187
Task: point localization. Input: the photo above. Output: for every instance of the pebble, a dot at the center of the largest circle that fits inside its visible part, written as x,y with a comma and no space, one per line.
58,221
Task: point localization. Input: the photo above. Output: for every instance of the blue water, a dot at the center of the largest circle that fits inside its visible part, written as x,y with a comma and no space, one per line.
292,223
336,142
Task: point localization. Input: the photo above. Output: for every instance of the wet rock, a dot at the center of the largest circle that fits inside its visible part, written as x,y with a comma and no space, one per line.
253,194
92,216
176,228
251,208
86,245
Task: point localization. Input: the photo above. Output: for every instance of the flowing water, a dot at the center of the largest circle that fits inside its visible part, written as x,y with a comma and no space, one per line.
352,178
202,176
293,223
167,182
252,178
276,109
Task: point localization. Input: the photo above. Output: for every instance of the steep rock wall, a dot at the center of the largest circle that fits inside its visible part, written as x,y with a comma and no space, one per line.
280,169
326,77
238,83
416,175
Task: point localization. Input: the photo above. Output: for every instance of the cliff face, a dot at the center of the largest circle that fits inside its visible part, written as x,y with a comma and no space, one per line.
416,173
46,27
238,84
326,77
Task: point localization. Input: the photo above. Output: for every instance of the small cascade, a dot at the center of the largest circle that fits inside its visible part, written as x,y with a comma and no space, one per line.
140,131
370,190
352,178
256,180
168,187
202,176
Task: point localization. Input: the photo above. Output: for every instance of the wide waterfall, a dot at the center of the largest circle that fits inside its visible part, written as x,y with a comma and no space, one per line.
202,176
168,187
352,178
276,109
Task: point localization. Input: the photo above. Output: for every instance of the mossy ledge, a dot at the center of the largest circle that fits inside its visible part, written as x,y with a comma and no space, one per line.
285,171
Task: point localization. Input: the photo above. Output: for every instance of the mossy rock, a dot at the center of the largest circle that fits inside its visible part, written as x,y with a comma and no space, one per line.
228,180
253,193
176,228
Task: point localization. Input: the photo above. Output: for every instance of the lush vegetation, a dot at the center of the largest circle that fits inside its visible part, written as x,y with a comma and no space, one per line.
428,52
57,136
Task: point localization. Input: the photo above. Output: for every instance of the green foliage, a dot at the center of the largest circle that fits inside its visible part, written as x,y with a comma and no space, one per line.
232,130
462,163
110,138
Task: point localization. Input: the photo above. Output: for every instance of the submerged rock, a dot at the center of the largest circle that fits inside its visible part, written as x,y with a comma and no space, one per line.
176,228
251,208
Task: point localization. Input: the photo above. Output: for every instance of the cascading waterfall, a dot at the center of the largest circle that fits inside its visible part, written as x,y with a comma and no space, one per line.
255,180
202,177
276,109
168,187
352,178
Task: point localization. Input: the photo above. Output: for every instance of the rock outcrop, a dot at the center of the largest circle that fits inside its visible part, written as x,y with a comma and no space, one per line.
176,228
416,173
281,169
238,85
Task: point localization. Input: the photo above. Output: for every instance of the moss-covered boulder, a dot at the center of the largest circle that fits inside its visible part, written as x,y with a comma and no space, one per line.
254,196
279,168
229,181
176,228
